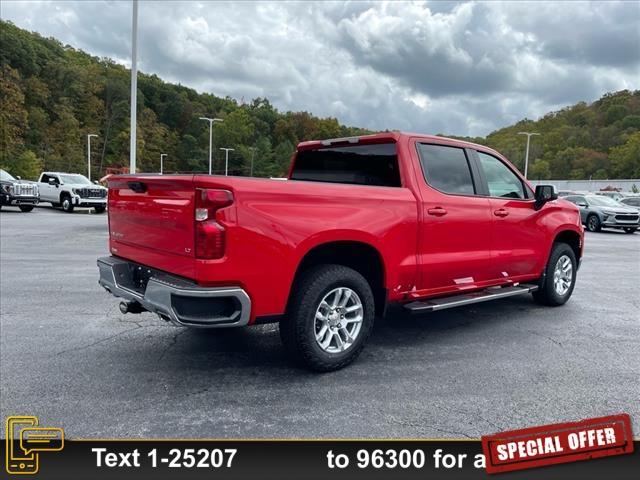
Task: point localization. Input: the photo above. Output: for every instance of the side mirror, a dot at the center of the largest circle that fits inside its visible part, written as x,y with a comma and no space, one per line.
18,177
544,194
96,182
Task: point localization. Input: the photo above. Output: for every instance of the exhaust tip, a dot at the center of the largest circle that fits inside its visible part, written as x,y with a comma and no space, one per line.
124,307
131,307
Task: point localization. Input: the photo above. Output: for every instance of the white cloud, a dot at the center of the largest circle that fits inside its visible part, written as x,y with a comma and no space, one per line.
432,67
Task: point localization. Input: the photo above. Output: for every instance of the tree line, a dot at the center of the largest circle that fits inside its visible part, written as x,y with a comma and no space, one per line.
53,95
596,141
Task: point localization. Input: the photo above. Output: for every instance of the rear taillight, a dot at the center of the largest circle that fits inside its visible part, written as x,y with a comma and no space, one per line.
210,235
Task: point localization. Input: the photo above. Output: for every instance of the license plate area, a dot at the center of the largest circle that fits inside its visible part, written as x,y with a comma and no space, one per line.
132,277
140,277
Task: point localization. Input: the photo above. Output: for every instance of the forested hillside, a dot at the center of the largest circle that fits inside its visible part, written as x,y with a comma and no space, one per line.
53,95
599,140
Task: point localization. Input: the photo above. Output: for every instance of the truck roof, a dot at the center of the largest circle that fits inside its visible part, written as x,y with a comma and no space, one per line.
386,136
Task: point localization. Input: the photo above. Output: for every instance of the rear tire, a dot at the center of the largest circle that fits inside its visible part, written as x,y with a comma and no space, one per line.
318,305
560,277
630,229
593,223
26,208
67,204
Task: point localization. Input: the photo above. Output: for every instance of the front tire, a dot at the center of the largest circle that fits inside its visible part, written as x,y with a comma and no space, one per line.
67,204
330,316
593,223
630,229
26,208
99,209
560,277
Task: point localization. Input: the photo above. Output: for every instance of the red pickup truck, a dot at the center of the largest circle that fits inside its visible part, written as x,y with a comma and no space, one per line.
424,221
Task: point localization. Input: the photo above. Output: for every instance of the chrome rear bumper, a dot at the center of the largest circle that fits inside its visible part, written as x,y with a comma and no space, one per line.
173,298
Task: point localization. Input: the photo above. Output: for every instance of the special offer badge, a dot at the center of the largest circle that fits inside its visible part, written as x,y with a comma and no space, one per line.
559,443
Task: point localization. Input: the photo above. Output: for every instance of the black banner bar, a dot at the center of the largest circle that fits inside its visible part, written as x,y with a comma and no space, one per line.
296,460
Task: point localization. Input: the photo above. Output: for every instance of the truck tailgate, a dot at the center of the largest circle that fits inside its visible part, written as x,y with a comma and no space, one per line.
153,212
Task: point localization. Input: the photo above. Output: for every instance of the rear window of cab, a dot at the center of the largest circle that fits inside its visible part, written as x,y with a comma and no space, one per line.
372,164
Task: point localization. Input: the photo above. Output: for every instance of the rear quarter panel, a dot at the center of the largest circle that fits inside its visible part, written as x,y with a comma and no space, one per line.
273,224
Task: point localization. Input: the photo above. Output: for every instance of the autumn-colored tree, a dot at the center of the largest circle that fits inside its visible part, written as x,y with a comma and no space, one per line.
13,115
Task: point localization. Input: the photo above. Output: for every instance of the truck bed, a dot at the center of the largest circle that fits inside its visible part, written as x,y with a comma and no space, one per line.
269,227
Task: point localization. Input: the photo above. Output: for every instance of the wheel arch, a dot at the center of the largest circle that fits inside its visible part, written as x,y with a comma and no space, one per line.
596,214
63,194
571,238
358,255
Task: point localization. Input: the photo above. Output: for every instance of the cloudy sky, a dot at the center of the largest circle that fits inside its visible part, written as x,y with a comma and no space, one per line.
463,68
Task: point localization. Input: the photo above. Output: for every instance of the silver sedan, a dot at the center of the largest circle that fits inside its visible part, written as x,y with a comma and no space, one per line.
598,212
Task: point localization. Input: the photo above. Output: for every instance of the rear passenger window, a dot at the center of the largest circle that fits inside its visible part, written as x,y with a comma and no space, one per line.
502,182
374,164
446,168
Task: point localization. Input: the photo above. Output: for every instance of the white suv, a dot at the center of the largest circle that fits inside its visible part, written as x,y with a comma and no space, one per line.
71,190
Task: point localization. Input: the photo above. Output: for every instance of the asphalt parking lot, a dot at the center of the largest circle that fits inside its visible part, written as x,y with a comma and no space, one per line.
68,356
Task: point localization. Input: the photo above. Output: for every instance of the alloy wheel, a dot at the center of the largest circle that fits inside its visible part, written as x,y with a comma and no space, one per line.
563,275
338,320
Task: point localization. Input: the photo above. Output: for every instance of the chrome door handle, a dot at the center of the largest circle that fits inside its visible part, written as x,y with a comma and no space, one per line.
437,212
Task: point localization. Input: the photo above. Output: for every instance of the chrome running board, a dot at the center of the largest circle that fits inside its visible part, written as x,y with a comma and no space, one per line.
486,295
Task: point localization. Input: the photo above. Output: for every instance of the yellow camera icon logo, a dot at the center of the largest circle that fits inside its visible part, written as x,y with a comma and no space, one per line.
25,441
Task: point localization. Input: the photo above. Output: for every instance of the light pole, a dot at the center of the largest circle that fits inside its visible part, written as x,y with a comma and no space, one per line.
253,154
134,86
89,154
162,155
211,122
526,155
226,159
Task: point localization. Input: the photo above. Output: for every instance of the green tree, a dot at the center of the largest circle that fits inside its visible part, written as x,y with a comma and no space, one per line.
36,136
282,159
540,170
615,113
263,160
626,158
66,137
631,122
26,166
